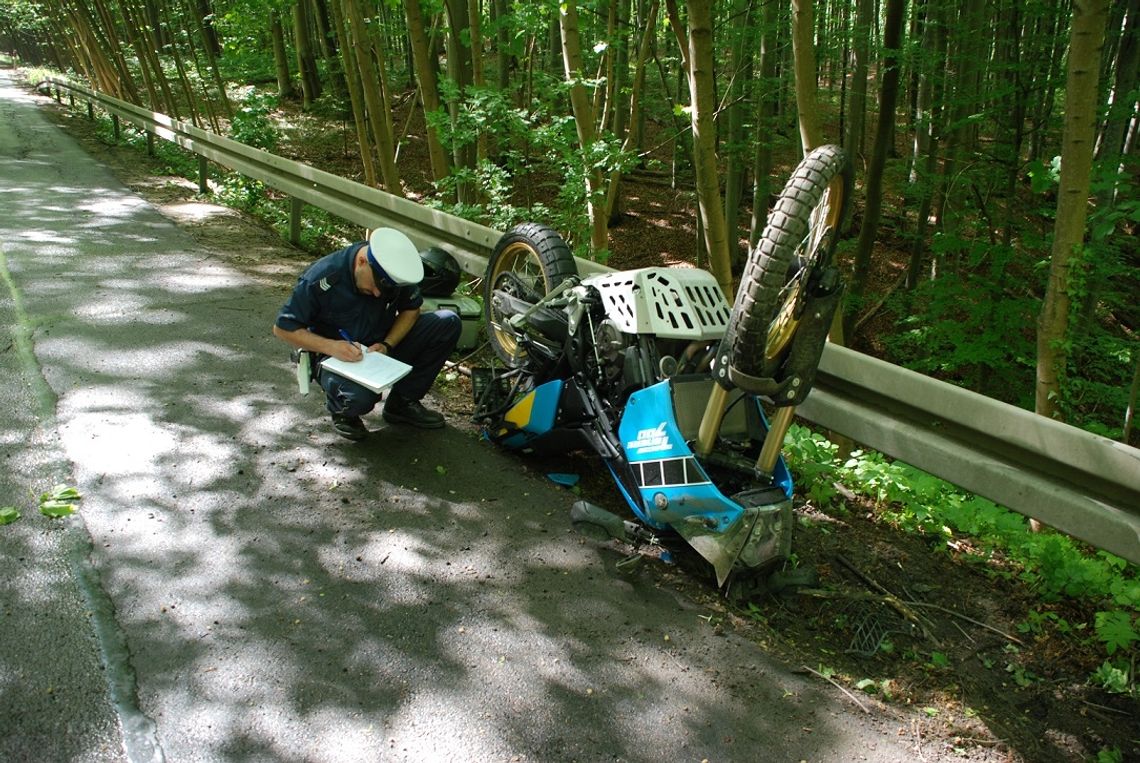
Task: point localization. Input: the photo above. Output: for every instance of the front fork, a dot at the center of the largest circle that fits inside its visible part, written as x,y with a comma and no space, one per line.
794,382
773,441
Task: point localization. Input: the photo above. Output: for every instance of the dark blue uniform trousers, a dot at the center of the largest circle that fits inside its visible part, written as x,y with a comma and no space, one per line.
426,347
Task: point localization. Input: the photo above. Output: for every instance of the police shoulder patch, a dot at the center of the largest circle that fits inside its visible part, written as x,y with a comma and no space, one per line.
324,284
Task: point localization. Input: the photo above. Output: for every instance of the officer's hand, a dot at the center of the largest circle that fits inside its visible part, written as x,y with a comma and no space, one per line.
347,351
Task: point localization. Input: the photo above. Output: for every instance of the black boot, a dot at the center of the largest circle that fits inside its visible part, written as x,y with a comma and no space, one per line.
349,427
400,411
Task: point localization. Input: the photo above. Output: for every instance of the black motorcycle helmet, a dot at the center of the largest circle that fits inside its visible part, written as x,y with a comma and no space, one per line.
441,273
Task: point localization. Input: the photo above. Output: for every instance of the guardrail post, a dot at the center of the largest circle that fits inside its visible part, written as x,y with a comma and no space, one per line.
203,175
115,126
58,96
295,208
90,110
149,143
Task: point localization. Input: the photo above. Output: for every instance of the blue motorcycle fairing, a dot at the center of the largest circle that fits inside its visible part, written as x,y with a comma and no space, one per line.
531,416
673,487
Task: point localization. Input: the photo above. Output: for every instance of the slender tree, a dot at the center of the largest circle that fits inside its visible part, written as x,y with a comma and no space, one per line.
428,86
1081,92
584,122
803,51
888,97
285,88
699,61
376,97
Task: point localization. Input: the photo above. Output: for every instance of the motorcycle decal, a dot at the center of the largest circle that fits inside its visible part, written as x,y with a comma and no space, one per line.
669,472
649,441
648,428
533,414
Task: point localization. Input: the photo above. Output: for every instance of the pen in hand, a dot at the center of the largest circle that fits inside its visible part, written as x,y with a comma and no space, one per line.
344,335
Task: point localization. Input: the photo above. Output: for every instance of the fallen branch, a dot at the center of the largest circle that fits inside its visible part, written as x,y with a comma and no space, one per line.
978,623
839,686
893,601
1106,708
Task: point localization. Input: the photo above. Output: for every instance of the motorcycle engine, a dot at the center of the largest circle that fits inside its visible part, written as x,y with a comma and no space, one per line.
620,367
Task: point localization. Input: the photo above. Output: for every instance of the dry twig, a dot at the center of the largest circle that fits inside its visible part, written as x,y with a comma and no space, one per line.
839,686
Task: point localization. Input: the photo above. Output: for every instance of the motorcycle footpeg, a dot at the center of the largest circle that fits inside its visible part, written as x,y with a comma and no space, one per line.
629,563
586,517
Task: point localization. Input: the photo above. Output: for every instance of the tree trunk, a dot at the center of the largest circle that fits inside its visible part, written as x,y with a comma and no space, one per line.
703,99
1081,89
613,192
205,18
928,119
355,93
285,89
769,89
330,51
507,61
584,122
158,89
210,44
861,53
735,148
888,97
803,53
375,96
460,69
965,99
429,88
306,60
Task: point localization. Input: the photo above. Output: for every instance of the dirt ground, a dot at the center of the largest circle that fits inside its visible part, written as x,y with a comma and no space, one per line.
929,643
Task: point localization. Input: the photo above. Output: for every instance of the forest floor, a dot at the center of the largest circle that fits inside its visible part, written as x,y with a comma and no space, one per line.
939,646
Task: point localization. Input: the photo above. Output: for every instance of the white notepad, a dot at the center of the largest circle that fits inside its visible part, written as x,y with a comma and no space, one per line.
376,371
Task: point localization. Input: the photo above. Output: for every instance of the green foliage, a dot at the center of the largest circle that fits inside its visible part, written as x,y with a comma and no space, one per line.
8,515
539,144
1113,677
252,123
963,327
1117,630
59,502
1109,755
975,324
1052,564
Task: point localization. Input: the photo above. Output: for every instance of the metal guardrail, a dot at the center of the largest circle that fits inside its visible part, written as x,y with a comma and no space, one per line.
1080,483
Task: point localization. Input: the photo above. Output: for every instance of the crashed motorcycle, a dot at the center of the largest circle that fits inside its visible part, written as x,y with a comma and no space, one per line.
685,398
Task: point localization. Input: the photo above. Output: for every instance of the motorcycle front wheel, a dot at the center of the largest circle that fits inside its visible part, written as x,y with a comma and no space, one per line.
527,263
794,250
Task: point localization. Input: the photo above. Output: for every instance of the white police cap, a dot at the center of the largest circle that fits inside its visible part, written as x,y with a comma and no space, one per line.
394,258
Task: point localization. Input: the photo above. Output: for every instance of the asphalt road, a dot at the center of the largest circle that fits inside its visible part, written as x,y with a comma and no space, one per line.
241,584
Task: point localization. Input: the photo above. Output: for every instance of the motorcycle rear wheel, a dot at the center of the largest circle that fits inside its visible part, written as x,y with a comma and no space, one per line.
801,231
528,261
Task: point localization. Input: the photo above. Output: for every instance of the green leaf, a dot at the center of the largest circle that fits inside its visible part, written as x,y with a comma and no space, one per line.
61,493
8,515
1116,630
939,660
57,509
441,470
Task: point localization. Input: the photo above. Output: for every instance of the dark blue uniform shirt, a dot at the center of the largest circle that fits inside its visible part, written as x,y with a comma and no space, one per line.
325,301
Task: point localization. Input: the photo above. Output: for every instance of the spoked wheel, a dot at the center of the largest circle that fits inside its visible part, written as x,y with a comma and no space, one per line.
527,263
793,252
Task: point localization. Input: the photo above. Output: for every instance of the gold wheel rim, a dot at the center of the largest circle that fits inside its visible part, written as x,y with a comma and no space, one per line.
522,260
783,326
